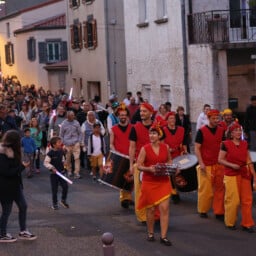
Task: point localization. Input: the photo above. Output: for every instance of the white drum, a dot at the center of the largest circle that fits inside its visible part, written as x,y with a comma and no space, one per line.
253,156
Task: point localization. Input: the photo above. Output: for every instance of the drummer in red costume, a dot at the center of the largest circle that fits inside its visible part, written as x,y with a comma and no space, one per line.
175,139
155,190
238,172
119,141
209,173
227,116
139,137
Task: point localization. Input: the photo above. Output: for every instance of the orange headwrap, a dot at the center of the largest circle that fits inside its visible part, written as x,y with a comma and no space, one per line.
213,112
148,106
121,107
156,127
171,113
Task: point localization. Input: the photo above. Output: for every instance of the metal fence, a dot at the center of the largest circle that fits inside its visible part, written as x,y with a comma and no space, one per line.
222,26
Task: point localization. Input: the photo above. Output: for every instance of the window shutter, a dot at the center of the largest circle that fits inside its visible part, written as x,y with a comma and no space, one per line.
72,36
79,27
85,34
42,52
7,54
12,54
94,33
31,49
64,51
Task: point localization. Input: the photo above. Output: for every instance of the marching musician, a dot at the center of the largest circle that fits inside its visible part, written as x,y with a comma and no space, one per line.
227,116
175,139
155,190
238,173
119,141
138,138
209,173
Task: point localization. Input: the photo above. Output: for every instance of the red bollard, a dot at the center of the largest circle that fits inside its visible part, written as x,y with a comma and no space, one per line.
108,247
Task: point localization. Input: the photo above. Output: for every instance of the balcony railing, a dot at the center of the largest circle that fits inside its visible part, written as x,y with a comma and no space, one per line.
224,26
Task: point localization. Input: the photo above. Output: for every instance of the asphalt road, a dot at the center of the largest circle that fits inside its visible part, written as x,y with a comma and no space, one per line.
95,209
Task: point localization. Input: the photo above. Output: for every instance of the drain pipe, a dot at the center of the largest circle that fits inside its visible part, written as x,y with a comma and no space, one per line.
109,84
185,55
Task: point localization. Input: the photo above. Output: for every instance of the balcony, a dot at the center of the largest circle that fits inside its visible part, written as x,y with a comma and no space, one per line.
222,26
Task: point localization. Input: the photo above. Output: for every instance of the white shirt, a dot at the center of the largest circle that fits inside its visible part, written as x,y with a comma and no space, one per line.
202,120
96,143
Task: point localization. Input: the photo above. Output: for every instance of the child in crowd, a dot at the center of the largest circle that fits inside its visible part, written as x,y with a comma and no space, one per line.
54,161
96,150
36,134
29,148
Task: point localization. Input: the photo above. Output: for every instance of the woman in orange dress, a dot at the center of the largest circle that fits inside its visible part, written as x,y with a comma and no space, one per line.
155,190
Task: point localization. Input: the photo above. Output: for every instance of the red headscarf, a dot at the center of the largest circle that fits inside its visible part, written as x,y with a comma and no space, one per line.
171,113
213,112
148,106
234,126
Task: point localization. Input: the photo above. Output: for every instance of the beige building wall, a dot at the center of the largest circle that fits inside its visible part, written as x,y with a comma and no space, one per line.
104,66
28,72
88,65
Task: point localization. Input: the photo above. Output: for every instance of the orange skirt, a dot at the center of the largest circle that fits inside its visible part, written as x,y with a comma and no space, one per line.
153,193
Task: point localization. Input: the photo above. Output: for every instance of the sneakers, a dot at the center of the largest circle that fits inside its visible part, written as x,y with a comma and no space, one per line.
77,176
55,207
26,235
7,239
64,204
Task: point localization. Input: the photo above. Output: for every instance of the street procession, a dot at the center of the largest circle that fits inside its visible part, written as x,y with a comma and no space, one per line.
127,127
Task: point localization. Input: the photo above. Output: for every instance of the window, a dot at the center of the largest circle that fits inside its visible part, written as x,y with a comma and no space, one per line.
31,48
165,92
8,31
52,51
76,36
90,33
161,9
146,92
87,1
143,21
9,54
74,3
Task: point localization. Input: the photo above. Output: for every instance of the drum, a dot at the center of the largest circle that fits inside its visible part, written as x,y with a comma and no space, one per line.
187,166
253,156
116,172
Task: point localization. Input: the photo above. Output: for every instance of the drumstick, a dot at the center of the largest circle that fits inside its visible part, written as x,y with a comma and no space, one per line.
108,184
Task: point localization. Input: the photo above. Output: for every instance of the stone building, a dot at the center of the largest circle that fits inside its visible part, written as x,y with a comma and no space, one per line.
191,52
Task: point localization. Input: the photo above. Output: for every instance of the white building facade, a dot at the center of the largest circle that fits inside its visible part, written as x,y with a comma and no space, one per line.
31,39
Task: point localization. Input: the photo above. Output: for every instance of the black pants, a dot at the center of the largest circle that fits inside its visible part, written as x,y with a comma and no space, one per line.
55,182
6,211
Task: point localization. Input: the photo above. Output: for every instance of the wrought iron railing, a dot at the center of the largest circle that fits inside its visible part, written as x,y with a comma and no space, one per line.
222,26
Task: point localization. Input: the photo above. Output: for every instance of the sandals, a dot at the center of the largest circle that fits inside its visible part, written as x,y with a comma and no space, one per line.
165,241
151,237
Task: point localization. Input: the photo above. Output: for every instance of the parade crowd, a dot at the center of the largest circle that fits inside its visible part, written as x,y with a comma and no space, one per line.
68,135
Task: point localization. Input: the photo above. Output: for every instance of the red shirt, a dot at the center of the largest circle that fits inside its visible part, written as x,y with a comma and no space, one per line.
152,159
210,146
236,154
121,138
174,141
142,133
